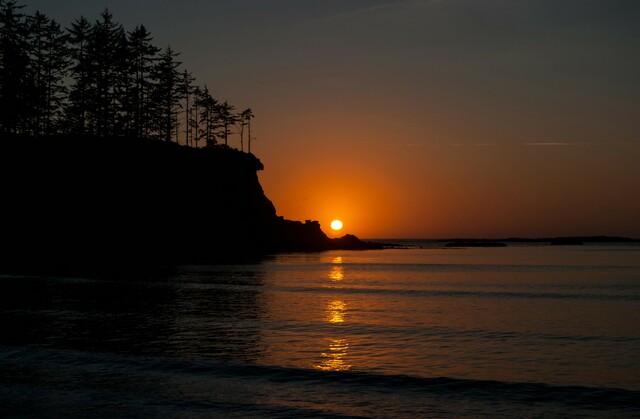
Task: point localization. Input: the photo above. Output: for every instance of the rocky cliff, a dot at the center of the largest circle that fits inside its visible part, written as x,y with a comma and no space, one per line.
69,200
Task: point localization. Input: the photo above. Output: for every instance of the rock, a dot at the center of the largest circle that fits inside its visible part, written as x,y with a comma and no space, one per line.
479,243
82,200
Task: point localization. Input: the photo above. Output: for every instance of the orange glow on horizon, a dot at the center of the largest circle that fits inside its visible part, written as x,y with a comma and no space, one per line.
355,191
428,184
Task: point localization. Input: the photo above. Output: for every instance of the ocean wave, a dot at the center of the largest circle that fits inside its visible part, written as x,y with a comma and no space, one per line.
462,294
19,363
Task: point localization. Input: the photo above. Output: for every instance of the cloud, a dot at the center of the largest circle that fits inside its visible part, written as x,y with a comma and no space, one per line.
555,144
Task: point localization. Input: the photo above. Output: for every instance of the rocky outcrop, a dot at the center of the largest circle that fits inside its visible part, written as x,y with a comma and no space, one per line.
68,200
308,236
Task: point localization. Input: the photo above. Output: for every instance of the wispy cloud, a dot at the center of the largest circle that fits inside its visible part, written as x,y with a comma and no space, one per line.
509,144
555,144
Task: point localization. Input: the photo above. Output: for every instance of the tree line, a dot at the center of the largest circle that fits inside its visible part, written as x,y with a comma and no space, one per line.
99,79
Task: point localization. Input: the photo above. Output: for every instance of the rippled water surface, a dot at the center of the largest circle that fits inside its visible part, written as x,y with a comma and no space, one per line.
522,330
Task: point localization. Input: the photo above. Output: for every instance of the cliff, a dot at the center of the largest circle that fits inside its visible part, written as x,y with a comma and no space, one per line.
70,200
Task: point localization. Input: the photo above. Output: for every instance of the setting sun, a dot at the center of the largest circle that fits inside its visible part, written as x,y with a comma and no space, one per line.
336,225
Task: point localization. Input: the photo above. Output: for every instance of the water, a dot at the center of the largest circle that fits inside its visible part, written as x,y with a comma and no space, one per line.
526,331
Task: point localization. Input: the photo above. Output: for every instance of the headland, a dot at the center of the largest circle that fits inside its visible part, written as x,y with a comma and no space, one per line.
70,200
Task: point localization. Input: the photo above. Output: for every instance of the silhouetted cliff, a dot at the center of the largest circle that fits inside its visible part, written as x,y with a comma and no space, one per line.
69,200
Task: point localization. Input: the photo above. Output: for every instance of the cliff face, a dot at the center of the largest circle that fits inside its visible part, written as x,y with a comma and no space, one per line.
84,198
76,200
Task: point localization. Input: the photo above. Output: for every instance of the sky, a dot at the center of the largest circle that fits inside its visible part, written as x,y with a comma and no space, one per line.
422,118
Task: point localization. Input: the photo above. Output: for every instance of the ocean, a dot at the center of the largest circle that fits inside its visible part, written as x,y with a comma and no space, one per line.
422,331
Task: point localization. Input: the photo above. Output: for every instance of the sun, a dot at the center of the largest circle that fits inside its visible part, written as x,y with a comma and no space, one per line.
336,225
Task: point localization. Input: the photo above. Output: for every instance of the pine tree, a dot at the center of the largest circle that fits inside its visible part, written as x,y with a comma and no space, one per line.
123,87
57,70
186,91
227,120
143,56
80,72
166,94
195,115
208,116
14,67
36,28
244,120
249,116
100,80
48,68
104,47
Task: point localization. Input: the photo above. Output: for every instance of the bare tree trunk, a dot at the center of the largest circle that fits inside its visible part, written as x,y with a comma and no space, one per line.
249,132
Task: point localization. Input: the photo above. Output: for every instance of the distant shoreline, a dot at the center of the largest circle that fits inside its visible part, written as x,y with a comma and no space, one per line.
586,239
485,242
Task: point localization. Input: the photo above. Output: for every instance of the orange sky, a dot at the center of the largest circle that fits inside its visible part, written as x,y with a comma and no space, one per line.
424,118
381,188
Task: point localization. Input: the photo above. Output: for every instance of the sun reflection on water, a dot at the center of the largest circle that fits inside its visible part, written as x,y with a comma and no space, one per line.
336,311
336,274
337,271
335,358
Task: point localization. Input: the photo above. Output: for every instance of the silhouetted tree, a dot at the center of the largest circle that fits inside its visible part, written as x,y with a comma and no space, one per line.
123,87
36,26
227,120
99,79
208,116
48,68
80,72
244,120
104,48
195,115
14,62
143,56
167,94
57,66
186,91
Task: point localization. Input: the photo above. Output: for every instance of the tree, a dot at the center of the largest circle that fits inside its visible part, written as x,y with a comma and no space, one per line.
167,97
80,72
186,90
143,56
195,115
227,119
245,122
36,26
208,116
57,65
100,80
123,87
14,66
104,49
48,68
